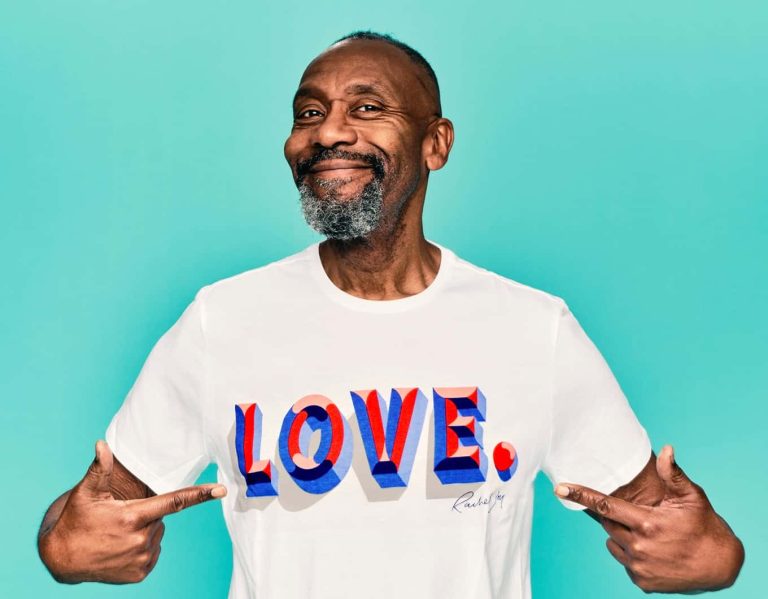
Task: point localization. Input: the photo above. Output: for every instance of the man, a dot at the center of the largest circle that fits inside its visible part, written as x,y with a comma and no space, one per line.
442,386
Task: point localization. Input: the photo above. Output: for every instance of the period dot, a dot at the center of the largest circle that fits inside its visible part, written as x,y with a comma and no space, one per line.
505,460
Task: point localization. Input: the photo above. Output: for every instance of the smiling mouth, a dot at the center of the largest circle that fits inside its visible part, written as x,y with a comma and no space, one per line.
338,168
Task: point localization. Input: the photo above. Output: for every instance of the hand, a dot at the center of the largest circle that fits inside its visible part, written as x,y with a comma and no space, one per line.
99,538
678,545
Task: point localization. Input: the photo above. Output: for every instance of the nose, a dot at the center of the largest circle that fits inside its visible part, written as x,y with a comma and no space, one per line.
335,128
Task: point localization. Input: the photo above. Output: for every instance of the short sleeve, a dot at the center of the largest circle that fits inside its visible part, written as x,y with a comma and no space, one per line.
158,431
596,439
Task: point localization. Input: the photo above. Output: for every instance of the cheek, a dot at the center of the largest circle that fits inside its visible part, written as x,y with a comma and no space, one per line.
293,146
288,148
406,158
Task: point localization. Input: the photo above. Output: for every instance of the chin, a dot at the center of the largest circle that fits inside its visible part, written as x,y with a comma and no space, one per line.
338,197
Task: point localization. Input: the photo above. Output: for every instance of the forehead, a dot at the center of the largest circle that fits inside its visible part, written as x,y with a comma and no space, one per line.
354,65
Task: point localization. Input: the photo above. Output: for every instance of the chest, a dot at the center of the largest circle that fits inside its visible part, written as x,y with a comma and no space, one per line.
432,409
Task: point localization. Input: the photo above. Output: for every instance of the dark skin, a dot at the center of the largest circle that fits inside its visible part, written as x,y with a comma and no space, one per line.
366,97
663,529
108,527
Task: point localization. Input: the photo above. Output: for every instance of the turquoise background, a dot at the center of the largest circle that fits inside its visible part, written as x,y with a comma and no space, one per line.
612,153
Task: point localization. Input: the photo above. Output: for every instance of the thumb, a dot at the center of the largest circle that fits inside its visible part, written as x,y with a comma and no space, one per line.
99,475
677,482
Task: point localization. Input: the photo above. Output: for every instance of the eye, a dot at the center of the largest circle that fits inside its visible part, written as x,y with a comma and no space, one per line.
309,113
367,109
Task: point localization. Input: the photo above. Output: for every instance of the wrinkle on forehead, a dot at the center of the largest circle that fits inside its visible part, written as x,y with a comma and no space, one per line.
371,62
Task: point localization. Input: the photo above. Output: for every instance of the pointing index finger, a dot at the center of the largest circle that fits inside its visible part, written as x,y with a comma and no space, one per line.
606,506
154,508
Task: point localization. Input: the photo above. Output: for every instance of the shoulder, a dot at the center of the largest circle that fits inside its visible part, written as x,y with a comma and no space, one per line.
509,293
278,278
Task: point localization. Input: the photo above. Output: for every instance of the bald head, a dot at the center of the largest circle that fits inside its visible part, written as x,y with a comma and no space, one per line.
412,53
404,69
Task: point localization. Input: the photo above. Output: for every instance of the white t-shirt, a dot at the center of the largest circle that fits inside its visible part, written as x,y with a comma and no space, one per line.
377,448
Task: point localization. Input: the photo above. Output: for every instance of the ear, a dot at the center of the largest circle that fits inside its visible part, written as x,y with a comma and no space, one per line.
437,143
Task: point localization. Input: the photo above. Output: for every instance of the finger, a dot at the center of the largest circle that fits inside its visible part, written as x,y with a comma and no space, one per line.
617,552
606,506
676,481
153,562
156,535
153,508
98,478
622,535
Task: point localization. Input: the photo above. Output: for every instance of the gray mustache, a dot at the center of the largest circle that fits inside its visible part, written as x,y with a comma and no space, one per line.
376,164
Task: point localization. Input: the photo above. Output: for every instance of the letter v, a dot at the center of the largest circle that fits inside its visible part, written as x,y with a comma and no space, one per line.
390,451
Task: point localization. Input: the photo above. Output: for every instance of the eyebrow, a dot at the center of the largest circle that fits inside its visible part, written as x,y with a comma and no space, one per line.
355,89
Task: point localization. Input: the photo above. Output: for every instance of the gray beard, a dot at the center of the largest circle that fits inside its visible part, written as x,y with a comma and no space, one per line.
343,219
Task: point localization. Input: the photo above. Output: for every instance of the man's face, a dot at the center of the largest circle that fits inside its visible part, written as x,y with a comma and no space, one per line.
355,149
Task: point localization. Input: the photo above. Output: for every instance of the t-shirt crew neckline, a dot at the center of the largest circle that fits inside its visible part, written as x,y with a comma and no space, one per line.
447,258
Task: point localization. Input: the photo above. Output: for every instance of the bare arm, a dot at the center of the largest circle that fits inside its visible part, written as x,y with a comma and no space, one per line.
108,527
664,531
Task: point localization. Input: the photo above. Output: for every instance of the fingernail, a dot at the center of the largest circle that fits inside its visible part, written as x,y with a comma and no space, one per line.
562,491
671,454
219,492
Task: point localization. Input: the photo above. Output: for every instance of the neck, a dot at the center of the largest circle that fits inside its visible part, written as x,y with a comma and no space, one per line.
390,263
